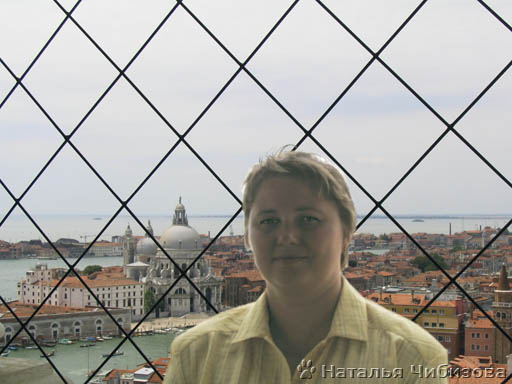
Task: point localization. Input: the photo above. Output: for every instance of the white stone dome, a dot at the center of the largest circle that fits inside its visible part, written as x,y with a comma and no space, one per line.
146,246
180,237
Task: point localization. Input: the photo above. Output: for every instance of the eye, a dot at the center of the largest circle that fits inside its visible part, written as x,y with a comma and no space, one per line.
309,219
269,221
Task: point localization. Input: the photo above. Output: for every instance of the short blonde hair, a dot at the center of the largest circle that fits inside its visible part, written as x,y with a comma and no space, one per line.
317,173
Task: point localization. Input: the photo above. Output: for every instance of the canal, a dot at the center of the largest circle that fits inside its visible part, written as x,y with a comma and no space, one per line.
74,362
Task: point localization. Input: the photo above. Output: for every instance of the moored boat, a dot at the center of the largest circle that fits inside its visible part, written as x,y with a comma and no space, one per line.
50,354
116,353
87,345
48,343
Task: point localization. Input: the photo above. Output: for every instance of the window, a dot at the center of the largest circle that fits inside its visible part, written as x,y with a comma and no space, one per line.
434,311
426,324
441,311
440,338
406,310
441,325
447,339
393,309
486,348
486,335
434,324
414,310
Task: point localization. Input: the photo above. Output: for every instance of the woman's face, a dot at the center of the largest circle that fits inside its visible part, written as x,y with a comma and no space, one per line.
296,236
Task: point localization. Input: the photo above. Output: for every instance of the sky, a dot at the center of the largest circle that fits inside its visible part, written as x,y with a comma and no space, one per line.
448,53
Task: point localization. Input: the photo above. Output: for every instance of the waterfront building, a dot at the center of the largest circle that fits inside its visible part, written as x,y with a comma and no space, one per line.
54,322
105,249
152,267
110,286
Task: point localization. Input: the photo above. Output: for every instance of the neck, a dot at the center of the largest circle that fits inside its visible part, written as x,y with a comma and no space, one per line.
299,320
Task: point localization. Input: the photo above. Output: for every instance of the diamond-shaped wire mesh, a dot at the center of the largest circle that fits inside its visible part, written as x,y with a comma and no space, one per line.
186,125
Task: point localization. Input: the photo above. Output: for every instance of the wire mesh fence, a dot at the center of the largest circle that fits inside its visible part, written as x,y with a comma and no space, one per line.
363,59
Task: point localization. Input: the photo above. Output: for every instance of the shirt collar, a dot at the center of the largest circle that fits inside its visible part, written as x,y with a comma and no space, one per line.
349,320
255,322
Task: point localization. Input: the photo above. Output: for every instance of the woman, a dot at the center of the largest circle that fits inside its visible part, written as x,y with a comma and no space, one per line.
310,323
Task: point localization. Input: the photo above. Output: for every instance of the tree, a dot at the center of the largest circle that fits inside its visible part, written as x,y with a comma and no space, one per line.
149,300
384,237
425,264
352,263
91,269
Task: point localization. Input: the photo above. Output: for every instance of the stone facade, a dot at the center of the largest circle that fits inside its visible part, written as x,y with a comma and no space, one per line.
56,322
152,267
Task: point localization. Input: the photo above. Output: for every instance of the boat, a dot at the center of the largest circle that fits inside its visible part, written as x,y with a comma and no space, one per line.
107,337
50,354
65,341
100,339
48,343
87,345
116,353
6,353
418,221
31,347
12,348
97,218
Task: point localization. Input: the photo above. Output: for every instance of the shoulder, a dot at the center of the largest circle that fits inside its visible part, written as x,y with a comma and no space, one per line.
224,325
410,339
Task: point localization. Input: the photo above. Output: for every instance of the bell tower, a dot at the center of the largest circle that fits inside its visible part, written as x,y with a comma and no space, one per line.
502,308
128,246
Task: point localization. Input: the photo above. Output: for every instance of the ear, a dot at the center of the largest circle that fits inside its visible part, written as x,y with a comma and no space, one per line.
246,240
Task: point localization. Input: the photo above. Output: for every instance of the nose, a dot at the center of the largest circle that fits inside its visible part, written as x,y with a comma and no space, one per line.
288,233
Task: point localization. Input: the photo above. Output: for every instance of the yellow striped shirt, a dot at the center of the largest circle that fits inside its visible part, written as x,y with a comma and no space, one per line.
364,340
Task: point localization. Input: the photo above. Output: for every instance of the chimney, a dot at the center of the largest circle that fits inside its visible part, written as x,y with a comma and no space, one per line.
450,229
380,294
412,295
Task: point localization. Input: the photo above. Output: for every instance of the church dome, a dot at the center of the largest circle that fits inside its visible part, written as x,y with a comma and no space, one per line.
146,246
180,235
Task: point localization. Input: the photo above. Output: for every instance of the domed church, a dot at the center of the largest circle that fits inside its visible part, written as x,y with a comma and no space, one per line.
152,267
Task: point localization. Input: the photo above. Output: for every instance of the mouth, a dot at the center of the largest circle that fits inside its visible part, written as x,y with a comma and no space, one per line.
289,259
